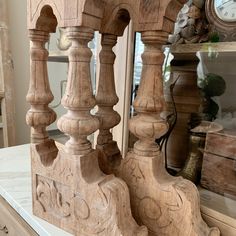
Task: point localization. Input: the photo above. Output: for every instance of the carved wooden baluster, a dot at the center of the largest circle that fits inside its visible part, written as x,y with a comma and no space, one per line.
78,123
106,99
104,199
149,103
39,95
165,204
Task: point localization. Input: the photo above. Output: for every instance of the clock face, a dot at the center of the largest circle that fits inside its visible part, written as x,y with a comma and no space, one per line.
226,10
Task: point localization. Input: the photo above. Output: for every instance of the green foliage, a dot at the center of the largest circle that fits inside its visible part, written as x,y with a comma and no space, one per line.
212,85
212,110
214,37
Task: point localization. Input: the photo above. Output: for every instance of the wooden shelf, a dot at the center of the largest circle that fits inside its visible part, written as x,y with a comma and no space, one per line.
203,47
58,56
187,55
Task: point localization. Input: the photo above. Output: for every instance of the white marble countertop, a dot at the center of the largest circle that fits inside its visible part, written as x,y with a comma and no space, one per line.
15,188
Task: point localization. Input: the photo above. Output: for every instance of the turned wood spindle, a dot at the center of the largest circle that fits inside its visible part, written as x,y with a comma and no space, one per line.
161,202
106,95
78,123
109,155
69,190
149,102
39,95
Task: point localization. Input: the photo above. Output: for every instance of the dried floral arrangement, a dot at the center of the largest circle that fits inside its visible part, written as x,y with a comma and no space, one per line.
191,25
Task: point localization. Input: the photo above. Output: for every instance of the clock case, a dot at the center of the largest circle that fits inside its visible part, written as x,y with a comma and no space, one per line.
226,30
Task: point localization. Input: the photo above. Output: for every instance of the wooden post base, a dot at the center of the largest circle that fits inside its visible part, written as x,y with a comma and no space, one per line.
166,205
72,193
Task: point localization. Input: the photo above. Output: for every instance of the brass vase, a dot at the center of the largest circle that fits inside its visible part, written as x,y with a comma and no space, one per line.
193,164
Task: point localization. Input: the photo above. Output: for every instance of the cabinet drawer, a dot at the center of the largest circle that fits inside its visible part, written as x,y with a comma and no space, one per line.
11,224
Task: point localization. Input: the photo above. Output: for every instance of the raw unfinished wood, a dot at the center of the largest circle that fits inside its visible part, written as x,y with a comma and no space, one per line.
69,189
39,94
166,205
219,164
107,116
7,98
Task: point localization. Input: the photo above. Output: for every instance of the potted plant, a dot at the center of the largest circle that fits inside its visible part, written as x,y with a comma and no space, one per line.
211,86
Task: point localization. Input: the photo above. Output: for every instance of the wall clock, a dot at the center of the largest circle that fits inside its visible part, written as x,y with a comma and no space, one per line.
221,14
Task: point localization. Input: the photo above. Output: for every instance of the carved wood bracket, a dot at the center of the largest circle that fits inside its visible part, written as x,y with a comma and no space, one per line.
69,188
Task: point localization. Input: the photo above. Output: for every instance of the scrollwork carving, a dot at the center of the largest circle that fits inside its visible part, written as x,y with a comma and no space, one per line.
96,215
51,199
70,189
165,204
82,210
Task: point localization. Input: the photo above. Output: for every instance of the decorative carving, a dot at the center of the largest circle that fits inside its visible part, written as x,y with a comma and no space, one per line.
96,214
82,210
39,95
98,204
67,13
165,204
106,98
69,189
78,122
51,200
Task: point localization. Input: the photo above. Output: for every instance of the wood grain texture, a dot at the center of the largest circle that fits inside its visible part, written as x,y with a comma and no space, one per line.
107,116
219,164
39,94
165,204
222,144
69,189
65,12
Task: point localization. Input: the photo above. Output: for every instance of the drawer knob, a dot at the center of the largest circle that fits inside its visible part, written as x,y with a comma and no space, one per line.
4,229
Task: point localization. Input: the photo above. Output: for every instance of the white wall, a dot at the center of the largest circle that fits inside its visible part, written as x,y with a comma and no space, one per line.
20,53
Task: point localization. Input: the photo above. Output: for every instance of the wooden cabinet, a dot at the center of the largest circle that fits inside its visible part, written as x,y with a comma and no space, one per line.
11,223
